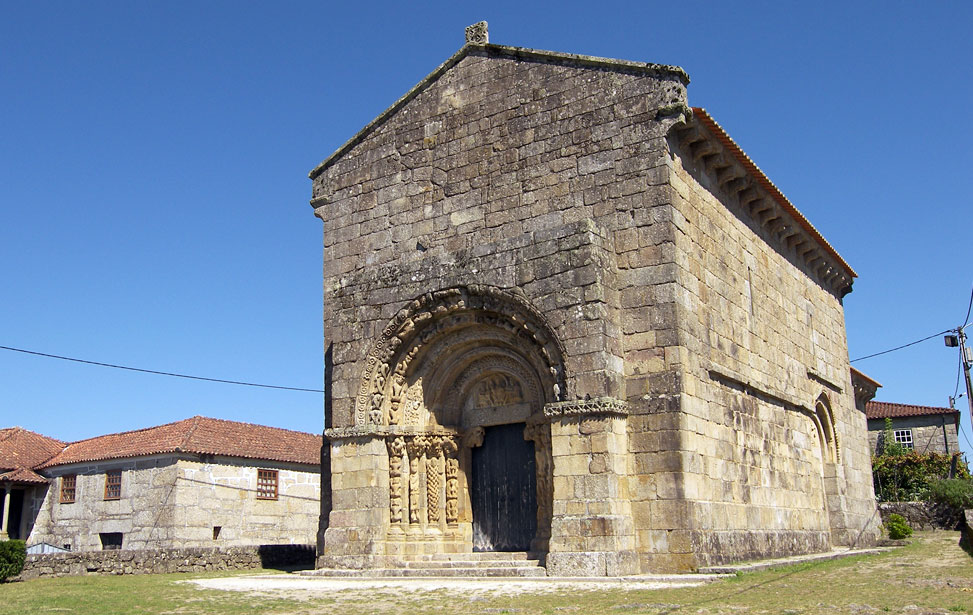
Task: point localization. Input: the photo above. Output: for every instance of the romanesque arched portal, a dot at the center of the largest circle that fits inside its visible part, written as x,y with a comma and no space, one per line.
456,370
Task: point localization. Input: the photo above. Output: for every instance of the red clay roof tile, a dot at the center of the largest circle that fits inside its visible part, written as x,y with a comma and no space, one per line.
22,448
885,409
199,435
23,475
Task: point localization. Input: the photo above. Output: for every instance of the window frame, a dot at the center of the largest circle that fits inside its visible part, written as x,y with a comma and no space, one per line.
113,485
266,479
69,489
903,437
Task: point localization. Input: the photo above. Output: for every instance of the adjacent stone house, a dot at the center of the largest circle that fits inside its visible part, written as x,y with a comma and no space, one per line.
925,429
21,487
200,482
565,313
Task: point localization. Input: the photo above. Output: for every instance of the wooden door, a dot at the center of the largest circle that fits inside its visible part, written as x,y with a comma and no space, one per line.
504,490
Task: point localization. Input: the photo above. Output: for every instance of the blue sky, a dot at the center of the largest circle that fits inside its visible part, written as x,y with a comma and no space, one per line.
154,159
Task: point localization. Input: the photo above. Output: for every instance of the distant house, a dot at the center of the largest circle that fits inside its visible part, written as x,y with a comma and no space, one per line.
927,429
21,488
200,482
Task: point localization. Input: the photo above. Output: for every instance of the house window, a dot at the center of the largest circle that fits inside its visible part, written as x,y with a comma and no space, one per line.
903,437
266,484
111,541
113,485
68,488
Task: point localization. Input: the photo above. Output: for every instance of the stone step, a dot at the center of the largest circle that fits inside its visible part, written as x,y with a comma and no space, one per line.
474,556
474,571
445,564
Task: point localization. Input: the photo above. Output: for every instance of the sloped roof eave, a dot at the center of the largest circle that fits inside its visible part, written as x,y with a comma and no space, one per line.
892,410
711,124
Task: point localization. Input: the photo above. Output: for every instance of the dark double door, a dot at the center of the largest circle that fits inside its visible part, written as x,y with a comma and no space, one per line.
504,490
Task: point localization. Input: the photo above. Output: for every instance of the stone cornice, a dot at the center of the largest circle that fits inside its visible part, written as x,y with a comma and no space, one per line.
582,407
813,375
716,155
384,431
865,388
726,375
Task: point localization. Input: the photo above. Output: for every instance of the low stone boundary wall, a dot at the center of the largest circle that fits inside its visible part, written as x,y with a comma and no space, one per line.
923,515
166,560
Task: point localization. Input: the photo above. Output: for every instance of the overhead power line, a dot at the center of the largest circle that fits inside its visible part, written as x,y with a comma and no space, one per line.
966,320
152,371
901,347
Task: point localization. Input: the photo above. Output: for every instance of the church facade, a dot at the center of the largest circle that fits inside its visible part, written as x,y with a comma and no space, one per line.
564,313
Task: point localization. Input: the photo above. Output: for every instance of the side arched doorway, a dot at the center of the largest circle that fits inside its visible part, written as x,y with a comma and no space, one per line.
457,386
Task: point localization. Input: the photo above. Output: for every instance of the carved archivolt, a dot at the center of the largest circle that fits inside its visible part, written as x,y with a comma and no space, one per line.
509,381
824,422
385,395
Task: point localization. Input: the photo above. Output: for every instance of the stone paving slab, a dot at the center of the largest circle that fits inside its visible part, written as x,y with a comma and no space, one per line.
303,586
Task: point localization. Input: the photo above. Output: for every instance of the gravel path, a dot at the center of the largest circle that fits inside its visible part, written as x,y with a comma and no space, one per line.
294,586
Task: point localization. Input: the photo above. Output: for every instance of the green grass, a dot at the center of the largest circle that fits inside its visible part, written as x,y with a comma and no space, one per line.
930,576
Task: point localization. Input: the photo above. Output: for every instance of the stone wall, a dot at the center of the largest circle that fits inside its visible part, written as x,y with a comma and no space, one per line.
930,434
769,436
505,172
690,369
923,515
166,561
221,493
143,514
172,502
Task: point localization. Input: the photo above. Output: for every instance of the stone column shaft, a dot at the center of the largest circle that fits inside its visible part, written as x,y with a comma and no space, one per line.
6,512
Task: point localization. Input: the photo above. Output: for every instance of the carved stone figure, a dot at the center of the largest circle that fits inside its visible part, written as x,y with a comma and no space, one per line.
450,449
414,459
396,448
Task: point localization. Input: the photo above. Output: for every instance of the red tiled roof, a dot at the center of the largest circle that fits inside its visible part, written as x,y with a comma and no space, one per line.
199,435
23,475
22,448
769,186
885,409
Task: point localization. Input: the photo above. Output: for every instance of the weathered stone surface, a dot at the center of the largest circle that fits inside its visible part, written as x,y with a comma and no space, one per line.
550,239
170,501
151,561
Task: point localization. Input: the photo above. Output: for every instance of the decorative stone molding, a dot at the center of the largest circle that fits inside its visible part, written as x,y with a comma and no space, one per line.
582,407
477,34
432,316
384,431
707,146
865,388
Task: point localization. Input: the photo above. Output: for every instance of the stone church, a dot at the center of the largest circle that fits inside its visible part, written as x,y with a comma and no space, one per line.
564,313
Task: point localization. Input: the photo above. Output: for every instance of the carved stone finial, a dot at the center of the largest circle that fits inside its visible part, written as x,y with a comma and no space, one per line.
477,34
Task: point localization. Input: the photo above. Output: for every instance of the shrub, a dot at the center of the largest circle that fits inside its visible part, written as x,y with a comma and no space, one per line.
13,554
956,493
905,477
898,527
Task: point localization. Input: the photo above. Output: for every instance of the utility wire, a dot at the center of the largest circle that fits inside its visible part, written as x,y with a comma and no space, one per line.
901,347
152,371
966,320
